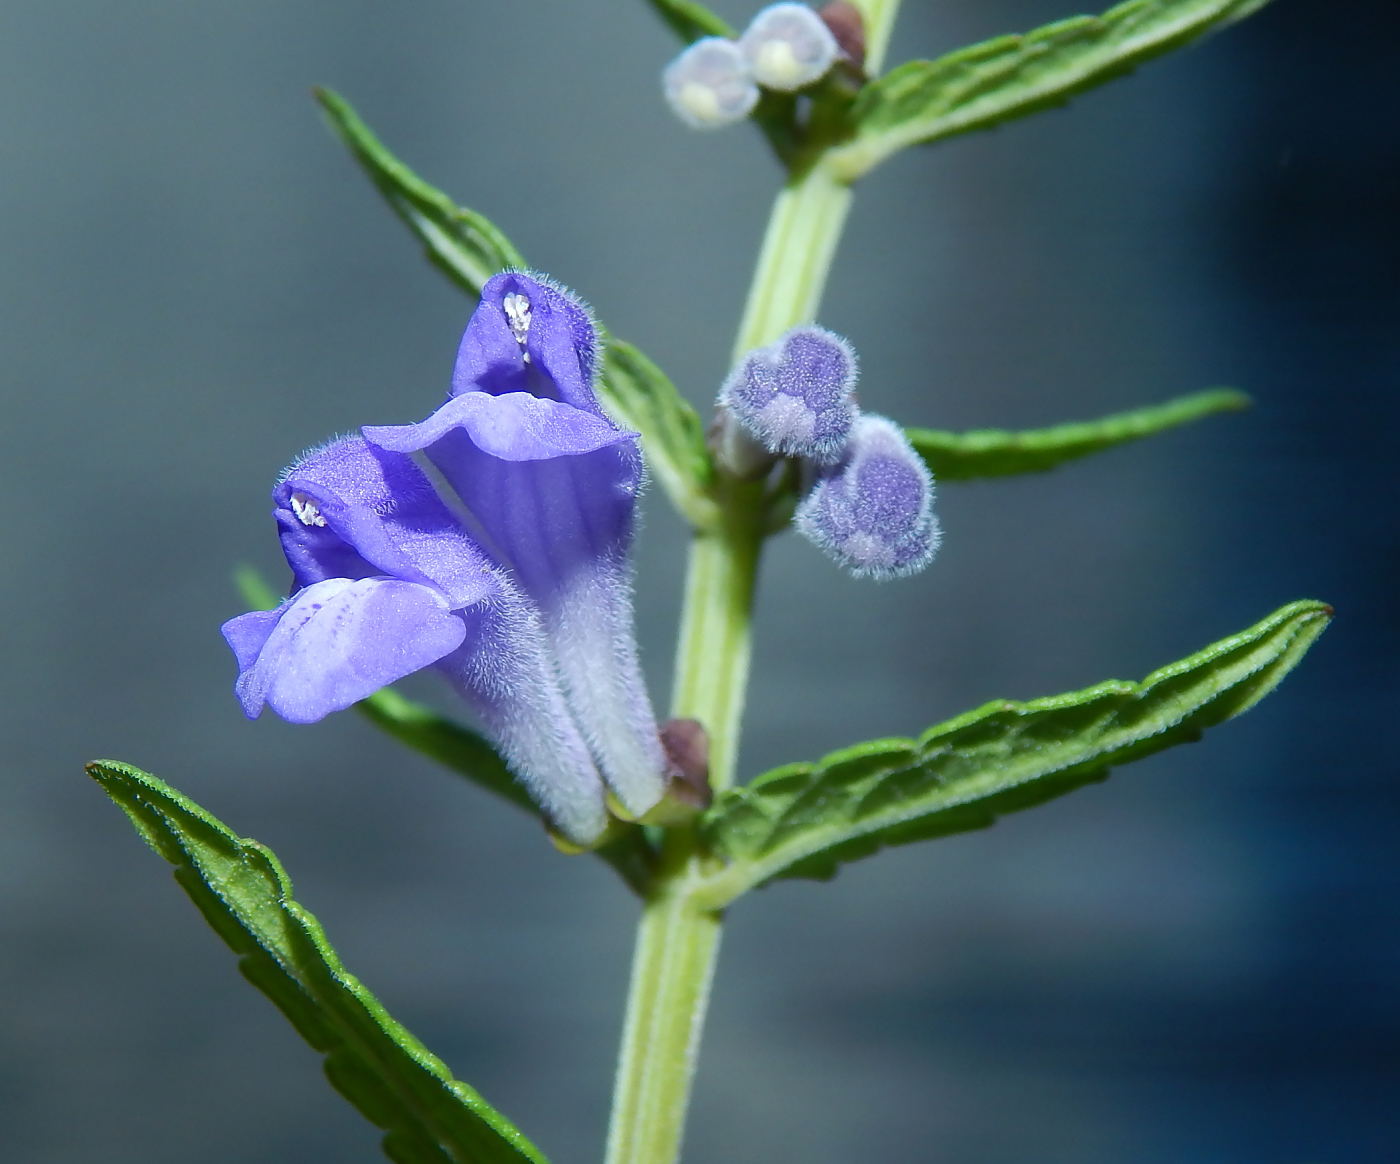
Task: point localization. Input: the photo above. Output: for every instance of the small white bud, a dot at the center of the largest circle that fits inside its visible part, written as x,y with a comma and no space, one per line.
710,84
788,46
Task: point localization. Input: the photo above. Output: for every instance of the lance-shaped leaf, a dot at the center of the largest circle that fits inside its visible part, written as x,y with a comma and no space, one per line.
995,452
468,248
638,395
467,753
244,894
1011,76
806,819
691,21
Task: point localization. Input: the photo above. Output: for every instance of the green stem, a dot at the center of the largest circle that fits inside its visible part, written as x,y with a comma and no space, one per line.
671,972
798,247
712,656
678,940
879,23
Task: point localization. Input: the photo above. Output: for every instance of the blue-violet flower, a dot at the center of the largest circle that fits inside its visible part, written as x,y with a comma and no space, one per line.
489,542
796,396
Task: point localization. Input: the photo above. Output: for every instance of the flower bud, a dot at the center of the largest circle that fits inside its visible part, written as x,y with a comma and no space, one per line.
795,396
848,27
788,47
710,84
873,513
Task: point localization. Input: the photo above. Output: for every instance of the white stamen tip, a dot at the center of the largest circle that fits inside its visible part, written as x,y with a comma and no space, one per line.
517,309
306,510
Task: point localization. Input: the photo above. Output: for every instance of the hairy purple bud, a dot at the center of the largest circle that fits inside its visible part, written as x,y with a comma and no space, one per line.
873,512
710,84
788,47
796,395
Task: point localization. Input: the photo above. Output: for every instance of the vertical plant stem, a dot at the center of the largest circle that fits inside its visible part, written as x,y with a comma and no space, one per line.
671,971
798,247
879,23
677,941
712,655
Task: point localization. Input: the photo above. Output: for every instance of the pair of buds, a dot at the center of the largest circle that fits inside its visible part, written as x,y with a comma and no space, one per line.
869,497
787,47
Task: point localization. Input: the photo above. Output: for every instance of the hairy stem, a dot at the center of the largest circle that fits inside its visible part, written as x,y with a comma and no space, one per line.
712,656
798,247
677,940
671,971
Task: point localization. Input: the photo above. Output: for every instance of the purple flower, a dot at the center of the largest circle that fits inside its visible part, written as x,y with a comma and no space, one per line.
490,541
873,512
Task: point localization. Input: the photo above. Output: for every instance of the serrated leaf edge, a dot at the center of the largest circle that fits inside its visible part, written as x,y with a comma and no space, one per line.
994,452
1301,623
133,790
874,143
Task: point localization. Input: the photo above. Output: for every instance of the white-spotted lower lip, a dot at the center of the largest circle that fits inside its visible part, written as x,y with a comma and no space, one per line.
306,510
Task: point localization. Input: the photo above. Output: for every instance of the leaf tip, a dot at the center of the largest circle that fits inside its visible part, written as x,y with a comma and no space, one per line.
104,771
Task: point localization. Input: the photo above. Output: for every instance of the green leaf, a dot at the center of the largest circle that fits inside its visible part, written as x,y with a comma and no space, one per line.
244,894
691,21
806,819
464,245
254,589
994,452
468,248
466,752
638,395
1011,76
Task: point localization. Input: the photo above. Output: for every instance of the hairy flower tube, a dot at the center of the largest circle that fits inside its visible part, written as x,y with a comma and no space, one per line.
489,542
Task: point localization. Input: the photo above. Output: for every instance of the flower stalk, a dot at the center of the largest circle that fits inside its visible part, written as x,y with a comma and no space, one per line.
673,964
678,938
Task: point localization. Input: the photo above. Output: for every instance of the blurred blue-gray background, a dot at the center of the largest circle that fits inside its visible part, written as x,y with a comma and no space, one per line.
1196,961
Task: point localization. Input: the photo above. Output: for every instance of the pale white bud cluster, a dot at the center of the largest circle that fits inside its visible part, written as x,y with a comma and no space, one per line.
716,81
